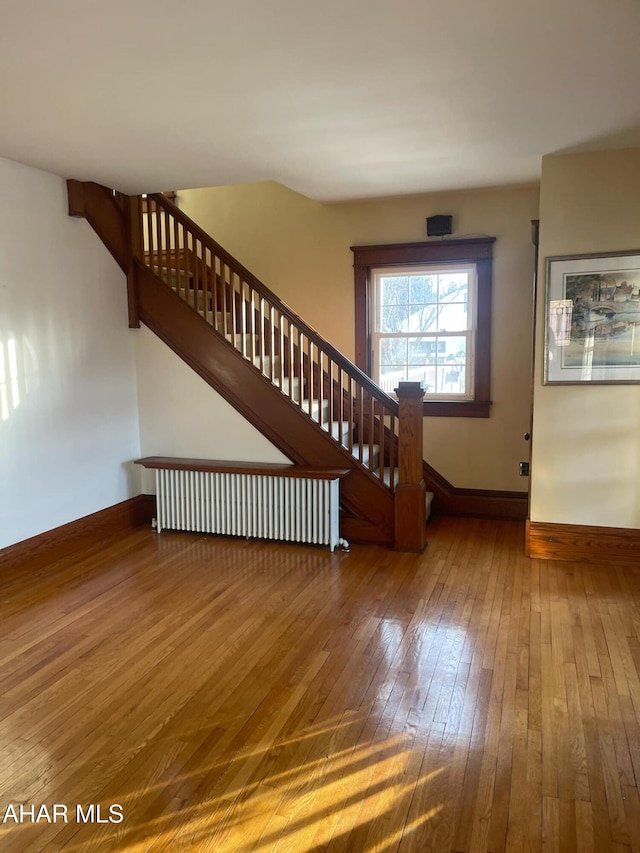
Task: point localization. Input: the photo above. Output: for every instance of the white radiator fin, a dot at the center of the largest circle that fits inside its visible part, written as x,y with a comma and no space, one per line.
290,509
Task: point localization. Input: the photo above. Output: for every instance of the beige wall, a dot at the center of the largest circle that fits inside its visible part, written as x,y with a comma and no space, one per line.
180,415
586,453
300,249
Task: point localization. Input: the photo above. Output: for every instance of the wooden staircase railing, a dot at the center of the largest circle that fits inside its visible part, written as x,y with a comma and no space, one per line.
160,246
312,373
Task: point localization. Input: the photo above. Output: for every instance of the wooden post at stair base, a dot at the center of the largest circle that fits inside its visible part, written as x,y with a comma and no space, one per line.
410,492
135,251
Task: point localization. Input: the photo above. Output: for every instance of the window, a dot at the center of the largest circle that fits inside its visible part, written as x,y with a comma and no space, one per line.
423,312
422,328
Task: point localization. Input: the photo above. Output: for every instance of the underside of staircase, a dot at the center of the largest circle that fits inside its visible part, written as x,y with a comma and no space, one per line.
304,396
250,391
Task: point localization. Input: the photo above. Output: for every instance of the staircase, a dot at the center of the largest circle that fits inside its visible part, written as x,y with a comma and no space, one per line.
307,398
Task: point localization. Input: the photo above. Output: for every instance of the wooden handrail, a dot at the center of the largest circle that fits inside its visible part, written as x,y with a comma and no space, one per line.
248,277
317,378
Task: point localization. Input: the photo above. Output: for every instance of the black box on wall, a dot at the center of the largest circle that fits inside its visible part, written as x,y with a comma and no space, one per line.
439,226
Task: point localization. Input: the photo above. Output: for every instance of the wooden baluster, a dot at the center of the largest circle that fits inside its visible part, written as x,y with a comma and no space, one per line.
340,406
162,241
187,265
243,318
255,340
311,372
281,356
330,393
154,239
380,429
166,225
410,493
216,264
190,283
148,237
261,333
308,373
205,282
370,429
233,306
316,366
272,343
171,279
168,233
286,354
158,239
361,429
294,360
176,251
392,451
344,408
295,372
320,385
200,260
303,384
198,284
351,413
213,289
223,294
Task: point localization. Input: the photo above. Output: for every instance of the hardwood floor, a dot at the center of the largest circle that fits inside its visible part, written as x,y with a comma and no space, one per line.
238,696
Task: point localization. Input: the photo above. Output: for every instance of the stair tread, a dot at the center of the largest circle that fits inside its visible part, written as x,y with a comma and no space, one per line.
339,430
366,454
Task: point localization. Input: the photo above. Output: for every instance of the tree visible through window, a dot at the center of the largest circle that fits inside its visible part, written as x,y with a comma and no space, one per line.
422,329
423,312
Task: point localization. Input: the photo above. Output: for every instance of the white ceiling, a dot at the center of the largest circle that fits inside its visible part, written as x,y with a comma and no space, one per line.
337,99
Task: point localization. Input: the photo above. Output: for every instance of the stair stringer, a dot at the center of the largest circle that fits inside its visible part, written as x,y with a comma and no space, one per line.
271,412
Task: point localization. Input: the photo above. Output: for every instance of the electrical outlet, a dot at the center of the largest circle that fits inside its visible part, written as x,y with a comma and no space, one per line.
524,469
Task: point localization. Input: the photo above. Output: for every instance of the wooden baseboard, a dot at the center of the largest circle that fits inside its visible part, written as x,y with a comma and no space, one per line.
38,551
477,503
357,530
582,543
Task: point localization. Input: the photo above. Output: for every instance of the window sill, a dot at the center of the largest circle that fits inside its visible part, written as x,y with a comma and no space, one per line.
456,408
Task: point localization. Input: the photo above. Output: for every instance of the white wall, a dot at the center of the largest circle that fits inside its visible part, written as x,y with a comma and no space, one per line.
586,454
68,409
181,415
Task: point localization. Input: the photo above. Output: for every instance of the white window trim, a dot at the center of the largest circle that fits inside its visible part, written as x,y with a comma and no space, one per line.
470,333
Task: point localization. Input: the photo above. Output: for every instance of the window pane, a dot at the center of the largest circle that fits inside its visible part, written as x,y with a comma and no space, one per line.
390,375
422,350
424,318
419,373
428,376
453,317
423,289
394,318
453,287
394,289
451,379
393,351
452,350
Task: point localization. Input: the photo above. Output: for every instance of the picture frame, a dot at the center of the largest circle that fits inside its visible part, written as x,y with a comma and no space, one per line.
592,317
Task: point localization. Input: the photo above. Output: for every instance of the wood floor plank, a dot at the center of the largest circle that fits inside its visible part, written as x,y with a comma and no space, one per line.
239,696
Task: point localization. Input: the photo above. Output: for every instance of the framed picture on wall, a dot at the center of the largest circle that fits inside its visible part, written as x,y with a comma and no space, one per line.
593,319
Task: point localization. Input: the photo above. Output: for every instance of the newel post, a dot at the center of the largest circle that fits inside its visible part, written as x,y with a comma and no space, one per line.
135,251
410,492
